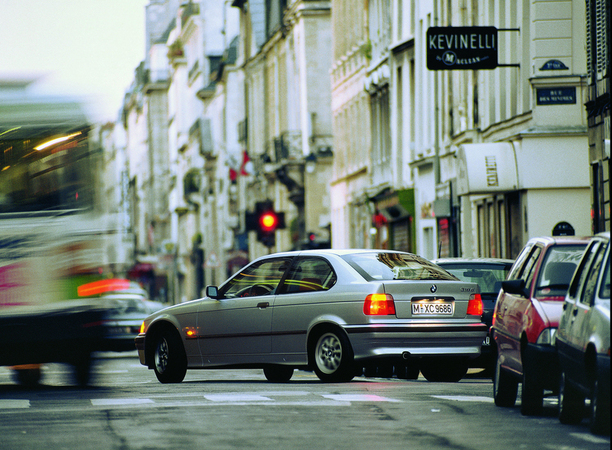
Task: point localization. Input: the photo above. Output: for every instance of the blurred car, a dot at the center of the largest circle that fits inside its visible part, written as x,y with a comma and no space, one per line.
526,318
322,310
135,288
124,315
488,273
583,340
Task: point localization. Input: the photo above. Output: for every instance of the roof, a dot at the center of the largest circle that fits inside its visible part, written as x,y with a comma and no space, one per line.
472,260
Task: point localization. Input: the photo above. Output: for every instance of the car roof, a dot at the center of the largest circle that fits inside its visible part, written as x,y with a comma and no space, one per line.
475,260
337,252
559,240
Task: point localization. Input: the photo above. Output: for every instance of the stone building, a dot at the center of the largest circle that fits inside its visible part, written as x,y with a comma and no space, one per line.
286,132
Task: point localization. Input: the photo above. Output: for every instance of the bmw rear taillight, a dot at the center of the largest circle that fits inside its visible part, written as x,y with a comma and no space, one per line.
475,305
379,305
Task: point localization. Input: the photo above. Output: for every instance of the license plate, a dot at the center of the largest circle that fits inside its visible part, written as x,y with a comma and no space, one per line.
426,308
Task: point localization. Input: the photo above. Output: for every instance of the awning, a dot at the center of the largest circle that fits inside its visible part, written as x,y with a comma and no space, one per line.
486,168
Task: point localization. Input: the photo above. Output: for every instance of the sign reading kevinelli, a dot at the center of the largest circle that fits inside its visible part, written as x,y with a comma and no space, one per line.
461,48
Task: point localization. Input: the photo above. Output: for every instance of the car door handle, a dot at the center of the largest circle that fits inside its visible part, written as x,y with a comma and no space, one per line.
575,312
263,305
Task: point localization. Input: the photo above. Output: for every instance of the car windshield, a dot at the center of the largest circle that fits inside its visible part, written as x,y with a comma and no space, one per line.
487,276
396,266
558,268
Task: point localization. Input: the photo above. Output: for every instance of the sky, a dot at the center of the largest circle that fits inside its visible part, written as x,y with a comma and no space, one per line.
86,48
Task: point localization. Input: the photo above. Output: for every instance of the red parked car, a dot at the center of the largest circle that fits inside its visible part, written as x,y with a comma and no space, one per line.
526,318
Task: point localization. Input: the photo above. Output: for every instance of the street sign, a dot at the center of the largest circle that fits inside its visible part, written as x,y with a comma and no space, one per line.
462,48
556,96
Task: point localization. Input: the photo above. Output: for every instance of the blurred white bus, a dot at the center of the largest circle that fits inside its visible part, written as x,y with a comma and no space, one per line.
52,231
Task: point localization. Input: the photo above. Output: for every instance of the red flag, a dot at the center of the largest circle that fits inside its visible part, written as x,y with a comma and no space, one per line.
247,166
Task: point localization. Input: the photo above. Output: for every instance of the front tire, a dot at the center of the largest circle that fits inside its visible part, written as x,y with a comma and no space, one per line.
169,360
332,357
505,386
571,402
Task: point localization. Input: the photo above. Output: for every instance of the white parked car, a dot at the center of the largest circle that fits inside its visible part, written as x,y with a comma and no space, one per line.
583,339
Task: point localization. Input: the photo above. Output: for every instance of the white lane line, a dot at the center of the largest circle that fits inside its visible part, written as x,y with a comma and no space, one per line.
590,438
464,398
14,404
236,397
360,398
120,401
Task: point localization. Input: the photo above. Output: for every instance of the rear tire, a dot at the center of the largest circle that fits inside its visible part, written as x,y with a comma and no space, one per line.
505,386
571,402
332,356
81,369
169,360
278,374
28,377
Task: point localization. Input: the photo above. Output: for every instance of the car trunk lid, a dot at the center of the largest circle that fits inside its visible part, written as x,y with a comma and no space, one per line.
430,299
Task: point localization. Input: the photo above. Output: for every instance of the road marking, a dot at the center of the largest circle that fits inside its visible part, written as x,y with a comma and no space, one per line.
464,398
236,397
590,438
276,398
120,401
14,404
360,398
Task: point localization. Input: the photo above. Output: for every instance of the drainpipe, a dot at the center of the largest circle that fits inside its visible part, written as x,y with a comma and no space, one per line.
436,113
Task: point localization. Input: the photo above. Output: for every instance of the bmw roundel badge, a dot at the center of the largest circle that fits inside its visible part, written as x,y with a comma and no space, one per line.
433,288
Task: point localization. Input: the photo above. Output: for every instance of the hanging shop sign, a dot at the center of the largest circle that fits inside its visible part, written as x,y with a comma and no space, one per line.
462,48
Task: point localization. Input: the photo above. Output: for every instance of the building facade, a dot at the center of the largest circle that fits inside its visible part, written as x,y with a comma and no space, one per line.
335,117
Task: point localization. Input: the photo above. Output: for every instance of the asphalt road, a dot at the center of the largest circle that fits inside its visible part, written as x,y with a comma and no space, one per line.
127,408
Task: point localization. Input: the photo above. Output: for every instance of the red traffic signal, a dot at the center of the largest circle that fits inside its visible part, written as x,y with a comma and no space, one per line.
268,221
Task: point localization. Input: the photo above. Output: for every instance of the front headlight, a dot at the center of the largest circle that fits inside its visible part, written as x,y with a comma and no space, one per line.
547,337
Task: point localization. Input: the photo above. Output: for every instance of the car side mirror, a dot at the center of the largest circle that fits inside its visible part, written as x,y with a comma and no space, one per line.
212,292
516,287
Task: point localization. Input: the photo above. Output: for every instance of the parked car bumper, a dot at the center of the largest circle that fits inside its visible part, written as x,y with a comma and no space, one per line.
139,342
416,340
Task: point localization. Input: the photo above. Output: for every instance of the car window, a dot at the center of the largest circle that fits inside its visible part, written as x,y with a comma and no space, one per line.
530,264
604,291
261,278
520,262
588,292
487,276
396,266
557,270
309,275
583,269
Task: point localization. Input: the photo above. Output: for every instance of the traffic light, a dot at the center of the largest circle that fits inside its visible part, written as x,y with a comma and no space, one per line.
268,221
265,221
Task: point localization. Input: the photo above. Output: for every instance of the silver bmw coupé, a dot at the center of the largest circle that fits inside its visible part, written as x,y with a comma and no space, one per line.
331,311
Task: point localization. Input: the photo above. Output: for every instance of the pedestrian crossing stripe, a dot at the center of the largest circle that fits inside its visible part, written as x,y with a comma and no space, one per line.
277,398
120,401
14,404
